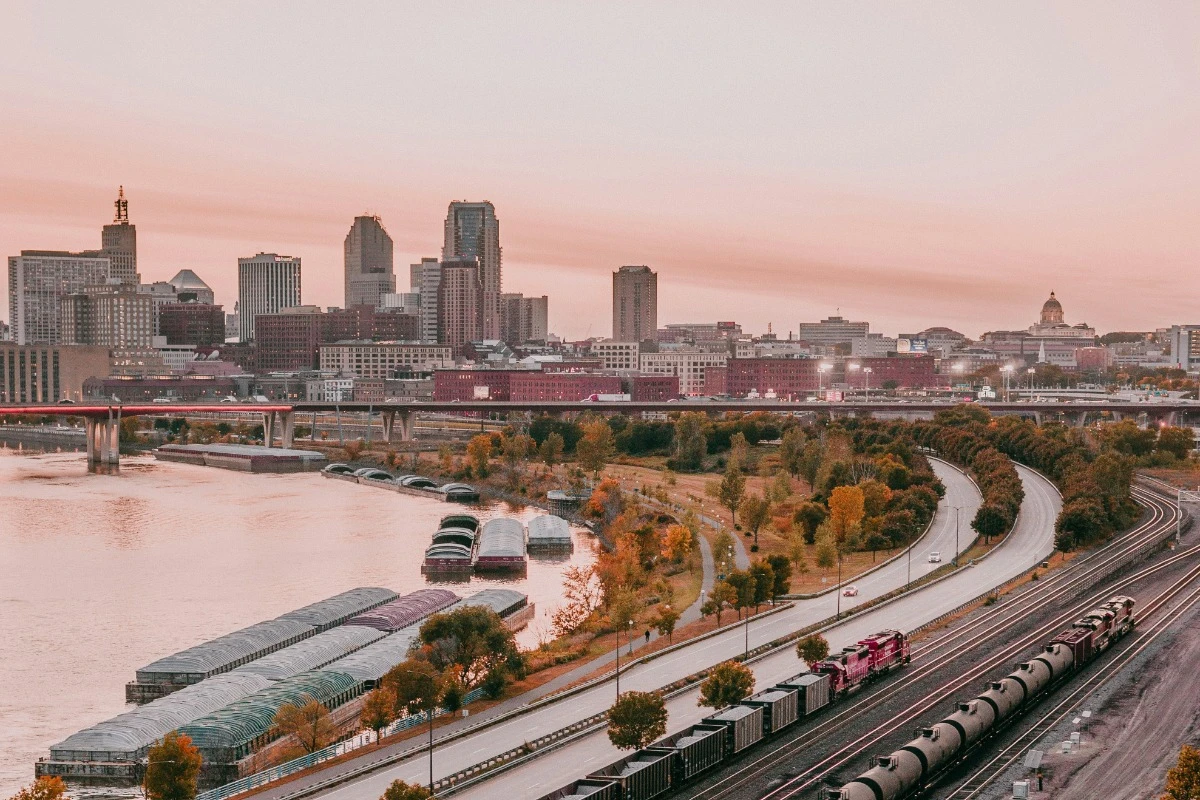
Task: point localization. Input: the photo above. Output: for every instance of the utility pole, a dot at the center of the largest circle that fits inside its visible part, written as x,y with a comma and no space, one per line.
957,519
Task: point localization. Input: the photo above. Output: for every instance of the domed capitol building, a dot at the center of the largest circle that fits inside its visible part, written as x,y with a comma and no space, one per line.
1050,340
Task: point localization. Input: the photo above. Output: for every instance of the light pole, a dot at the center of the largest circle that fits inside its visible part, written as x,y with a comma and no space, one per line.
909,583
618,665
867,376
1007,369
629,636
429,716
821,370
957,518
838,614
747,650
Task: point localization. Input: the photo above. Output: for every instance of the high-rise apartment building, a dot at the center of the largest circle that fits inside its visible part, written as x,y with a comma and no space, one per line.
369,273
832,331
112,315
459,293
472,231
266,283
524,319
118,242
38,280
425,279
635,304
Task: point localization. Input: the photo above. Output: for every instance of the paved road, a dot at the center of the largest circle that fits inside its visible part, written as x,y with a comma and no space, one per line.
1031,541
468,751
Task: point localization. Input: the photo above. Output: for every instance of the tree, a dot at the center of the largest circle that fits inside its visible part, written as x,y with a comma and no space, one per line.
664,621
476,641
739,450
728,683
690,441
743,585
791,451
723,595
514,450
353,449
1176,441
723,552
552,449
582,593
846,509
730,490
764,581
990,520
781,575
812,648
47,787
811,463
756,510
596,447
876,541
479,453
1183,779
172,769
379,710
415,685
827,552
309,722
399,790
781,487
636,720
810,515
677,543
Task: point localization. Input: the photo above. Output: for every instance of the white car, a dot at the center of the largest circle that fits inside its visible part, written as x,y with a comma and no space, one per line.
850,591
935,557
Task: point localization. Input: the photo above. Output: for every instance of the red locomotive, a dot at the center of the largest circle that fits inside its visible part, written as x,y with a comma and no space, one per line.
869,659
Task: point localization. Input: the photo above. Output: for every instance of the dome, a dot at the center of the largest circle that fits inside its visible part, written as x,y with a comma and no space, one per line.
1052,311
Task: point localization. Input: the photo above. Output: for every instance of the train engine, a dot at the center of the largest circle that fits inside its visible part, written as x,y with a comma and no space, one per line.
870,658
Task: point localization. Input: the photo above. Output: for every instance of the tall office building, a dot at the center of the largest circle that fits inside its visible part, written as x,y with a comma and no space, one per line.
425,279
38,280
369,271
459,293
635,304
118,242
266,283
524,319
472,231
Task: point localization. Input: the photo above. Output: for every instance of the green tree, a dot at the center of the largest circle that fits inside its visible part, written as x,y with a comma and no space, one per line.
47,787
743,584
756,510
827,552
791,451
730,490
309,722
875,542
739,451
809,516
691,443
399,790
781,575
1183,779
990,520
723,596
172,769
781,487
551,450
723,552
764,582
664,621
1179,442
476,642
812,648
811,463
728,683
636,720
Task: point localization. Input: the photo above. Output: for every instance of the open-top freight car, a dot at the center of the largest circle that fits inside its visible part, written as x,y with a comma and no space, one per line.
779,706
744,724
644,775
697,749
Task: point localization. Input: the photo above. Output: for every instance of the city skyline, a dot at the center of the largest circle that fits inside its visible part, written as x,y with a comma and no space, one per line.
1010,157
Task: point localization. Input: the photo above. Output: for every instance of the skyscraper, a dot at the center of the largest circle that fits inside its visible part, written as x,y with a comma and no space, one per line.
523,319
369,271
459,293
118,242
472,231
425,277
266,283
635,304
38,281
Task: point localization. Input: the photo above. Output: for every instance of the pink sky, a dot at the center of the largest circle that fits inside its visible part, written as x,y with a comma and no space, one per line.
909,164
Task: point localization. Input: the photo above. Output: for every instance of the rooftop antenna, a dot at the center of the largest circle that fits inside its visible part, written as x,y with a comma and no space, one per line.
122,206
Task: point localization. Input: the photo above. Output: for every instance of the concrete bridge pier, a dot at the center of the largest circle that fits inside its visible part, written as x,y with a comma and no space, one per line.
103,440
282,421
390,418
268,428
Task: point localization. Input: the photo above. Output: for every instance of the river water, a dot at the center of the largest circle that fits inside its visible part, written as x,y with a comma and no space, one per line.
100,574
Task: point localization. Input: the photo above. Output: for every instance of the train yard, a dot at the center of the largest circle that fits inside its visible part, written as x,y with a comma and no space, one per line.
831,751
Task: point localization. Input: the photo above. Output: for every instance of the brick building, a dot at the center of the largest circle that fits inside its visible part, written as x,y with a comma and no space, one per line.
788,378
651,388
535,386
200,324
292,339
473,384
895,372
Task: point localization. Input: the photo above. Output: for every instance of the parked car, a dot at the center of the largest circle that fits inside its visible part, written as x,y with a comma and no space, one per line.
935,557
850,591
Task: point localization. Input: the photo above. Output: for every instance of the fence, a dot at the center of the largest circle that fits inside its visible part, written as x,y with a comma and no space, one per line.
320,756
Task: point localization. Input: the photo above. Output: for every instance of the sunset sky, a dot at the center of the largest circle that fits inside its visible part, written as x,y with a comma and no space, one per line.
911,164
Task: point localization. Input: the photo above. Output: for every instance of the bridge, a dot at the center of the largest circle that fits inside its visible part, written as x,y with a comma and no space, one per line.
103,419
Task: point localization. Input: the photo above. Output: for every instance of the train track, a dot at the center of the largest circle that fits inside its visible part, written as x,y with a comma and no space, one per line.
940,653
1188,596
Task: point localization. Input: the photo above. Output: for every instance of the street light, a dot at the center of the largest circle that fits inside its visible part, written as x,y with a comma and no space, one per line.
957,519
429,715
838,614
1031,371
629,636
821,370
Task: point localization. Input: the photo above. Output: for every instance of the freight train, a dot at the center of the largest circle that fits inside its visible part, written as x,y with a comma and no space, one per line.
680,757
910,768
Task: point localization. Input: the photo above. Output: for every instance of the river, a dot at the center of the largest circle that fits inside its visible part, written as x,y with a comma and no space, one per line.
101,574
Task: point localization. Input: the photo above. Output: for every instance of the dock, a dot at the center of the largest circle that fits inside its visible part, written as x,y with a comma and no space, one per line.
242,457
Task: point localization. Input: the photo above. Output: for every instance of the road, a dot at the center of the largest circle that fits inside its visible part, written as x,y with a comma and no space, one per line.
1031,541
459,754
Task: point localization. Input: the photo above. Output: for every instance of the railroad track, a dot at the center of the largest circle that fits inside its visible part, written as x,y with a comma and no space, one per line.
1129,649
939,653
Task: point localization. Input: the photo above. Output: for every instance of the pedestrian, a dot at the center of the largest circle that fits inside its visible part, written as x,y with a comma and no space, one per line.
647,636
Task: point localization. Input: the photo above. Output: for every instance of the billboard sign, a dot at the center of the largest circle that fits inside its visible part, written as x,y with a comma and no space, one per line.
482,393
834,396
912,345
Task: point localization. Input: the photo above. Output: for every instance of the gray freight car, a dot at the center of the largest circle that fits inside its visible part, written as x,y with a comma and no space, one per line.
744,724
813,689
586,790
641,776
779,707
697,748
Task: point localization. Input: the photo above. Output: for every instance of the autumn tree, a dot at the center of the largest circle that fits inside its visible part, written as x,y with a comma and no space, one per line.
415,685
172,769
756,510
596,448
730,490
677,543
664,621
723,596
846,510
581,593
791,451
728,683
479,453
691,443
551,451
475,641
309,722
827,550
812,648
47,787
399,790
353,449
379,710
1183,779
739,451
636,720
